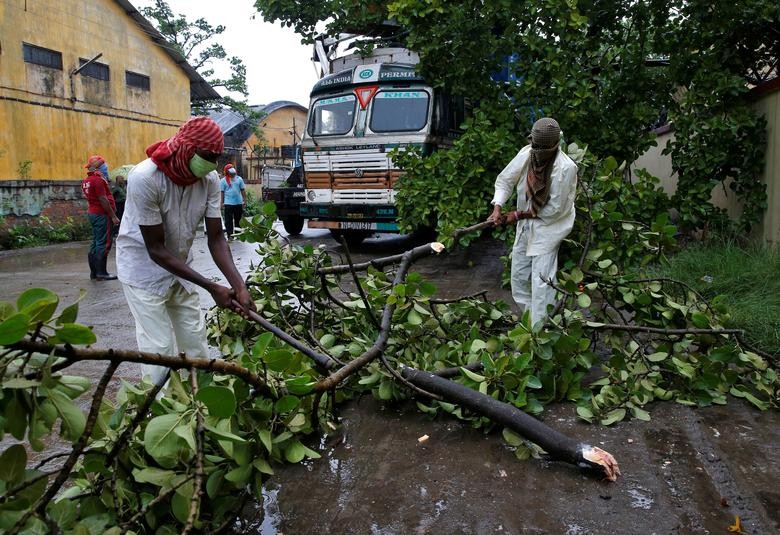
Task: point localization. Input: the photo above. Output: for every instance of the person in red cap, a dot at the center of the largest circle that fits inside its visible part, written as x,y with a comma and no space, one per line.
101,212
233,198
168,195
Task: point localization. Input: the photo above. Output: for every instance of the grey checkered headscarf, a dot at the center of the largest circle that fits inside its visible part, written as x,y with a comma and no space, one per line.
545,139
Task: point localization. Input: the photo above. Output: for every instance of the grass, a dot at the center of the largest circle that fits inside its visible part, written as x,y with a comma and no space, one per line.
749,278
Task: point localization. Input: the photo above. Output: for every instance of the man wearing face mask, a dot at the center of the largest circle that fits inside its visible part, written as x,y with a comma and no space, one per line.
101,212
546,181
167,197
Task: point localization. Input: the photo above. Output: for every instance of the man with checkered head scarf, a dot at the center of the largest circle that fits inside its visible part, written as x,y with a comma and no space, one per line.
546,182
168,195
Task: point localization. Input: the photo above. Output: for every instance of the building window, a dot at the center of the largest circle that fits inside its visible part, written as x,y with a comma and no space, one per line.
96,70
139,81
42,56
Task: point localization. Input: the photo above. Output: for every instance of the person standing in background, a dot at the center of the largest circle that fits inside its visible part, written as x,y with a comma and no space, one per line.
233,199
101,212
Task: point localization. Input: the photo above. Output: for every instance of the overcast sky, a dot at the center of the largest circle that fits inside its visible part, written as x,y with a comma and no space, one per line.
278,66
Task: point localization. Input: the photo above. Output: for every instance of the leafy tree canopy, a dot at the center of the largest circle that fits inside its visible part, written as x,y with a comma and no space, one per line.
608,70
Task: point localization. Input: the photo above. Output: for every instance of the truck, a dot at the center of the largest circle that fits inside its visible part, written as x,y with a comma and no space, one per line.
364,107
283,185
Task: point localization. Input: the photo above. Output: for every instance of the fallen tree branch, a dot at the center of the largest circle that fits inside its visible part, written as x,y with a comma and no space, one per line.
556,444
71,354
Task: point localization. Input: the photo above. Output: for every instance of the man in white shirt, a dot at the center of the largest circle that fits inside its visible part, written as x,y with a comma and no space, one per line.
167,197
546,181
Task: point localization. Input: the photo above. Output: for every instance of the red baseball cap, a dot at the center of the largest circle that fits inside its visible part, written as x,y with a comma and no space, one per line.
94,162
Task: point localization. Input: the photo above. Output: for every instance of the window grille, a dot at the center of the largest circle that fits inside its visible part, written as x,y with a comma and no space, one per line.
42,56
139,81
95,70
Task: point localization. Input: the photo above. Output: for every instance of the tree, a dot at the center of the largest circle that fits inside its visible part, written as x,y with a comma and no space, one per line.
606,69
194,40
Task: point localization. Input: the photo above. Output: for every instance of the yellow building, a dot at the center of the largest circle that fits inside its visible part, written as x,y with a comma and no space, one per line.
55,111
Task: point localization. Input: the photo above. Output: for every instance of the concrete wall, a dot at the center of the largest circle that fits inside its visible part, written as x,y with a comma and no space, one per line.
767,103
55,125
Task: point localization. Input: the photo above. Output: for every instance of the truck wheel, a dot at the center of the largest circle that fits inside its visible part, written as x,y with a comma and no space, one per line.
293,225
353,237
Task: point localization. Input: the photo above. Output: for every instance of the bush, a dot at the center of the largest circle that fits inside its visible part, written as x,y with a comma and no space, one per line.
44,232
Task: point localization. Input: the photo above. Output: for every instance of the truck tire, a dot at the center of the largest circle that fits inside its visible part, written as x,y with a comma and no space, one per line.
293,225
353,237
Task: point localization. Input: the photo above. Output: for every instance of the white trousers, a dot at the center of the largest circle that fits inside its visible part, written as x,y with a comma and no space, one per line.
167,324
528,289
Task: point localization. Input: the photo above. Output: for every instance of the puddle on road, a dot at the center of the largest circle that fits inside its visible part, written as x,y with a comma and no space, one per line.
640,498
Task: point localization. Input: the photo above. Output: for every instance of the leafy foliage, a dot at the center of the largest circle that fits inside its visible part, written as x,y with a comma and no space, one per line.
44,232
191,458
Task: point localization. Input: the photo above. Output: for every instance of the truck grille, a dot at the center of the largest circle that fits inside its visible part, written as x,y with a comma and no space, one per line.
360,169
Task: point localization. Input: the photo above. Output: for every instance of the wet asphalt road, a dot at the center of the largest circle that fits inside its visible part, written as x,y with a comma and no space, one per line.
686,471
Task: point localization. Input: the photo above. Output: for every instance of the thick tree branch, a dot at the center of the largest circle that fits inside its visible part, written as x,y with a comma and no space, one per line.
177,363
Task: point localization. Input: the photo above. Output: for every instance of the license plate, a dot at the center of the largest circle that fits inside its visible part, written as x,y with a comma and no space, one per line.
357,225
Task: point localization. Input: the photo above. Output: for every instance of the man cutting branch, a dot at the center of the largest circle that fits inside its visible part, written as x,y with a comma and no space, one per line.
546,181
167,196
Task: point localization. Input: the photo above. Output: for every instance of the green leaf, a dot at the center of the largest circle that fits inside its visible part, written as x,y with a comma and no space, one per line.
38,303
471,375
265,438
640,414
533,382
220,400
161,440
295,451
20,382
583,300
73,420
14,328
69,314
278,360
12,464
259,349
240,475
287,403
76,334
413,318
613,416
327,340
6,310
512,438
262,466
224,435
657,357
700,320
299,385
155,476
585,413
214,482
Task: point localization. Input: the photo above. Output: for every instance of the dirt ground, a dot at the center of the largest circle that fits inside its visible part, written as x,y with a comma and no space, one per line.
685,471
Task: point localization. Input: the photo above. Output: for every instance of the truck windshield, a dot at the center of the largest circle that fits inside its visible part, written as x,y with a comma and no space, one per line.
399,111
332,116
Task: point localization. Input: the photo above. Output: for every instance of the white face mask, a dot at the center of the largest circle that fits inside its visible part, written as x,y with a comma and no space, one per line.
200,167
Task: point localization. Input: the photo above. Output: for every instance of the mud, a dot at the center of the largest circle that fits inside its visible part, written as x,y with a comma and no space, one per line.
685,471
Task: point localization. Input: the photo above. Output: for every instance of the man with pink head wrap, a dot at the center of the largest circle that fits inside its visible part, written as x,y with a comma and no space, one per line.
168,195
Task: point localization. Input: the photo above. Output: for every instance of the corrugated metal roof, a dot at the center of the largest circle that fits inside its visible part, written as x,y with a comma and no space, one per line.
278,104
199,87
229,120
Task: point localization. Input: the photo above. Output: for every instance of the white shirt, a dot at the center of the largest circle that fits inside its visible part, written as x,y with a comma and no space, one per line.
556,219
152,199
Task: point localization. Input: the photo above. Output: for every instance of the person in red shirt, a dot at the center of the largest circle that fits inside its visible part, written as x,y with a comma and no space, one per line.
101,212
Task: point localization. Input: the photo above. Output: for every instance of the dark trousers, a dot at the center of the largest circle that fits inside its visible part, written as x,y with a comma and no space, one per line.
102,235
233,215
